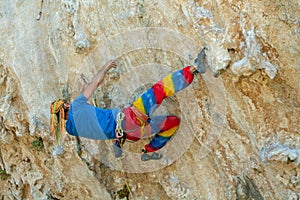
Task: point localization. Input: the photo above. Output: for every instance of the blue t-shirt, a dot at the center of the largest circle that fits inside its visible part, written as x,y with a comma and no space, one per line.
85,120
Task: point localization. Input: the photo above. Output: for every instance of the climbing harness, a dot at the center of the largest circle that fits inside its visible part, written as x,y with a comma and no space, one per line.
143,118
123,135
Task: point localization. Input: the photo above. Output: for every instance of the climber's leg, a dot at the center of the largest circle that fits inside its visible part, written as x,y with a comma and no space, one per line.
151,99
165,127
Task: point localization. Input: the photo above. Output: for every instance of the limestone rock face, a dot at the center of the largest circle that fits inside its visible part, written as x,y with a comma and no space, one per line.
239,136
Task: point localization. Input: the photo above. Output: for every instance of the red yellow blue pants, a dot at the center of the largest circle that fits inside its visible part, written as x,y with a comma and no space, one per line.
163,127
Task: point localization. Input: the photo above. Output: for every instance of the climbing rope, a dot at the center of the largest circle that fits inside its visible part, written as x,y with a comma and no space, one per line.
118,160
120,134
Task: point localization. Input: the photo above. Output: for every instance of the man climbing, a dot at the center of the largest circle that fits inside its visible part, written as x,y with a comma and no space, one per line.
132,123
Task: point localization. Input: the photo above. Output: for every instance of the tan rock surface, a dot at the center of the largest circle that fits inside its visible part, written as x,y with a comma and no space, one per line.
239,135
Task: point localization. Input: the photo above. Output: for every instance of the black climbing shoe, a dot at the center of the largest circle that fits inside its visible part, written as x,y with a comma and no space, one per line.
200,61
118,151
154,156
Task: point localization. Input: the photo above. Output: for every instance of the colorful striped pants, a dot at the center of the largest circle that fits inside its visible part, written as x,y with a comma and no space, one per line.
163,127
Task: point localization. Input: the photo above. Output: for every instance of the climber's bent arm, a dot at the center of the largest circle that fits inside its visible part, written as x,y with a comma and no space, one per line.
98,78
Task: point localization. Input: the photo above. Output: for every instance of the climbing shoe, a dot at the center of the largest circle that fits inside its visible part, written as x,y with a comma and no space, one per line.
118,151
154,156
200,61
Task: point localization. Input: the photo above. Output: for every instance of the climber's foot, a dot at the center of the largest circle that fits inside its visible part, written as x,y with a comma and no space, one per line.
154,156
118,151
200,62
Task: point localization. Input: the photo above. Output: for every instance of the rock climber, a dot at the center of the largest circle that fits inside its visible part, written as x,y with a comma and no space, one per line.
132,123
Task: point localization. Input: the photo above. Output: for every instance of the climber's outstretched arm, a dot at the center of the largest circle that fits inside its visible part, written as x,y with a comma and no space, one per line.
98,78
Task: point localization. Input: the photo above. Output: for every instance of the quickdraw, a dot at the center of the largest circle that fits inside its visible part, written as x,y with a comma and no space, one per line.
119,131
41,11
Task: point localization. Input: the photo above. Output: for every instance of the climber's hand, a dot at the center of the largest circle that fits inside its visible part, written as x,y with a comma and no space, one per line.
110,64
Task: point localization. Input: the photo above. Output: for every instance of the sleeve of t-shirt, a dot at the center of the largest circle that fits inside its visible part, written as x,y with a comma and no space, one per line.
81,99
